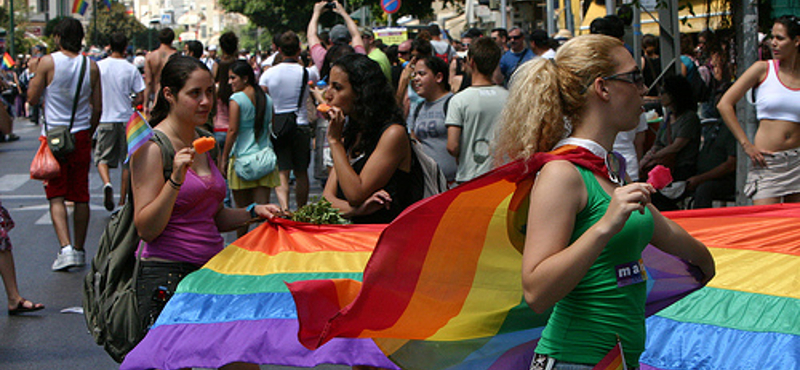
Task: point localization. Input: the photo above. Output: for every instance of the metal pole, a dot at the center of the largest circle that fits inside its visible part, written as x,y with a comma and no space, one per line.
10,32
503,14
611,7
568,16
551,16
637,35
746,23
390,20
94,30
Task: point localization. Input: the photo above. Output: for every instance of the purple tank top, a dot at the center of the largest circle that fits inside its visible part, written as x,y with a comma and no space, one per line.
191,234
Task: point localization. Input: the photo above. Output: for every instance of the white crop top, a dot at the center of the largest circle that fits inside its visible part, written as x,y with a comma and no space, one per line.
774,100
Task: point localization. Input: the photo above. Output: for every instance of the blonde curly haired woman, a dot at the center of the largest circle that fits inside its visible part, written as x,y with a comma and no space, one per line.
581,226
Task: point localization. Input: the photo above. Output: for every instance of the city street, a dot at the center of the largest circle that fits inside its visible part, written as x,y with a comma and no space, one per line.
53,338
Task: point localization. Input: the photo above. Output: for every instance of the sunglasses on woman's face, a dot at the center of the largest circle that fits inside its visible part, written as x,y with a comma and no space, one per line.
634,77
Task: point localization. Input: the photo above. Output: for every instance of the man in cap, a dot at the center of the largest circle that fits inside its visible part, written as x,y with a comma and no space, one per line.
375,53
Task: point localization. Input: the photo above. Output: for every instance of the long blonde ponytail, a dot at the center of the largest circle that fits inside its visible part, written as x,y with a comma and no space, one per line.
547,95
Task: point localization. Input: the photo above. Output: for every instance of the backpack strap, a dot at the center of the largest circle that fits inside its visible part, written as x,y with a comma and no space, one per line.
419,108
167,151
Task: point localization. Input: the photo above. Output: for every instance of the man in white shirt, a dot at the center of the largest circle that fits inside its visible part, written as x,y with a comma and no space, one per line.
119,80
285,84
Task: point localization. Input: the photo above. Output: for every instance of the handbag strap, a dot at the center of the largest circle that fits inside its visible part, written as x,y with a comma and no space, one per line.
77,93
302,87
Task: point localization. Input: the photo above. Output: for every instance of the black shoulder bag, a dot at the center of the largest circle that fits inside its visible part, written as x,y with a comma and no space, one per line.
284,125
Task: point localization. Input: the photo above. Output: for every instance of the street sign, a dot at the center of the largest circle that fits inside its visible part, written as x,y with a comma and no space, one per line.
390,6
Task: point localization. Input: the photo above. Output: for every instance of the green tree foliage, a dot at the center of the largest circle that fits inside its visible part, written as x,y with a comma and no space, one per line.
249,39
22,44
115,20
281,15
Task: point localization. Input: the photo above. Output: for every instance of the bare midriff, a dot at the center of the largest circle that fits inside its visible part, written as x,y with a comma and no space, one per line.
777,135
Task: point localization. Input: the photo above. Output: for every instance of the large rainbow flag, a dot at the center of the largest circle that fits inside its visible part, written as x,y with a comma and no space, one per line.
453,299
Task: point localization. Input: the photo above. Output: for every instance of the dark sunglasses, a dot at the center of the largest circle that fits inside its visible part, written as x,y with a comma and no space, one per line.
515,37
633,77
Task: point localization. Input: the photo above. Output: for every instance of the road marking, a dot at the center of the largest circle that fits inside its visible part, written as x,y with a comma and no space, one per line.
13,182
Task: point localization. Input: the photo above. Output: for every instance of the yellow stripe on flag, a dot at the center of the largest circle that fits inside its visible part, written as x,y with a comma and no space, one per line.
756,272
234,260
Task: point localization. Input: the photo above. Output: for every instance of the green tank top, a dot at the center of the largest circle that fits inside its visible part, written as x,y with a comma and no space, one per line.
610,299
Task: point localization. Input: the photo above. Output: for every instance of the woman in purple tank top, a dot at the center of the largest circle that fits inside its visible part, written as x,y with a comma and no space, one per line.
180,219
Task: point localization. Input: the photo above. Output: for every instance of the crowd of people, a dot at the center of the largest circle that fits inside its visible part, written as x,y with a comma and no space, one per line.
472,105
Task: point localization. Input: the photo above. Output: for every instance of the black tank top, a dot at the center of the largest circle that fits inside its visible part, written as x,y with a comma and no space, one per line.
405,188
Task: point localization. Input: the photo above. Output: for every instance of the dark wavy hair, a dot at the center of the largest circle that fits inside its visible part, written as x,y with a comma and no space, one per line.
174,75
374,107
791,23
70,30
242,69
680,90
437,65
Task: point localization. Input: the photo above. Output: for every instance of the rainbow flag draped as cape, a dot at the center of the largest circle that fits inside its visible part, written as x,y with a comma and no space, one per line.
80,6
461,307
8,61
137,132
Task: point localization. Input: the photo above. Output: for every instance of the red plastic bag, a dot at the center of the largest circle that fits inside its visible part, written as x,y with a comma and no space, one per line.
44,166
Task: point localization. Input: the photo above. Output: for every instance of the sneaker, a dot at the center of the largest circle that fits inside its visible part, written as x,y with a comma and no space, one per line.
69,257
108,197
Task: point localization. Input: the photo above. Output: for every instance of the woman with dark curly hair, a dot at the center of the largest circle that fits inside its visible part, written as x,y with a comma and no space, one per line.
374,174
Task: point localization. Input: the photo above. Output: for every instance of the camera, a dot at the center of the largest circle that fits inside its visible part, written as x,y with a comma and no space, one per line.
330,5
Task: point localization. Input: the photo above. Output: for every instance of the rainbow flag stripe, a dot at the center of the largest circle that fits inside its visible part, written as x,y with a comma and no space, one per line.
614,360
238,307
8,61
80,6
137,132
749,314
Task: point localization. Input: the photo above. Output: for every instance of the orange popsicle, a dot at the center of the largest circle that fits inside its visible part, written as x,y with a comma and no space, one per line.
323,108
204,144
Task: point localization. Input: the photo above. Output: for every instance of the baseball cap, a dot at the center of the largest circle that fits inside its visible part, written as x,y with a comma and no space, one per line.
212,48
339,34
367,32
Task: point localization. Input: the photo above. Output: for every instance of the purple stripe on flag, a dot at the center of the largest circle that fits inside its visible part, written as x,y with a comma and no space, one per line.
270,341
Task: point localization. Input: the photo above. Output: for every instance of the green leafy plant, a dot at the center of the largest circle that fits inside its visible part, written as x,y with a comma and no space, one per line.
319,212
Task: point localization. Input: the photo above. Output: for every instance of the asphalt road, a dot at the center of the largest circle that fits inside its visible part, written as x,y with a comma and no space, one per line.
50,339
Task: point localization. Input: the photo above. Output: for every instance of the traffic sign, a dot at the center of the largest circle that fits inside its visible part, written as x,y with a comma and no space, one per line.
390,6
